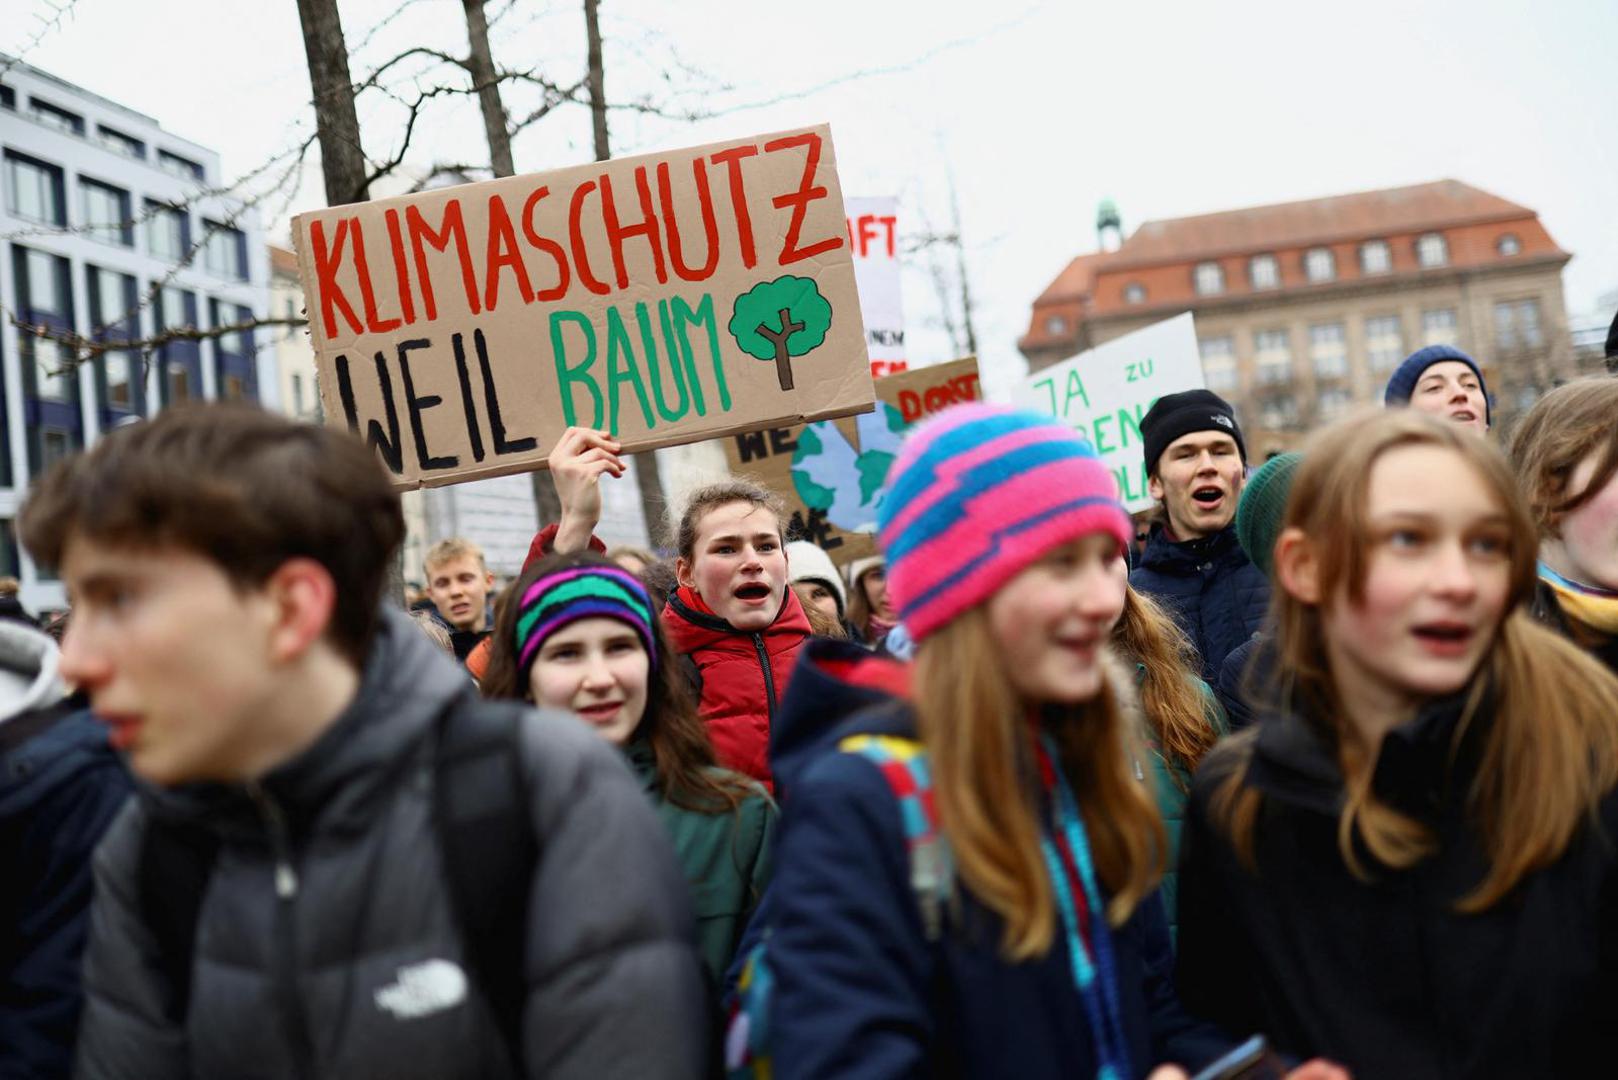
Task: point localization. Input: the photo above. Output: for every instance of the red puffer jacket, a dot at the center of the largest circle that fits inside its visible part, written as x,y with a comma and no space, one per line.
741,677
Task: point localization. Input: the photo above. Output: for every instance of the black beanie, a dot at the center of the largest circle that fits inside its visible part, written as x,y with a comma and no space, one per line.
1180,414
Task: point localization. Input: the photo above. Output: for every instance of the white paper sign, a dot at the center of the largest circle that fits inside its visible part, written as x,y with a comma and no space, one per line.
1103,394
873,237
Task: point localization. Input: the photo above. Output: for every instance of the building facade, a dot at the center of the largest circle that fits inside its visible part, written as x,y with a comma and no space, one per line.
112,230
1303,309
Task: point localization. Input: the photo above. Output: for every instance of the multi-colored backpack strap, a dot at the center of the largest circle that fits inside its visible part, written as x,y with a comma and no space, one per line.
747,1031
903,764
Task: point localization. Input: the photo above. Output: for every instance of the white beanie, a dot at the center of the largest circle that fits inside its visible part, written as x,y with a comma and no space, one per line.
807,562
858,568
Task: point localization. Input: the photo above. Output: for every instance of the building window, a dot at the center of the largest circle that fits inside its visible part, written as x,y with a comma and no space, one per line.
119,143
53,370
34,190
1218,362
1384,342
54,445
10,564
1333,401
179,166
111,303
1056,325
1134,293
1273,353
1508,245
168,232
176,310
1438,327
223,314
120,370
1431,250
224,251
56,117
46,286
1278,413
1264,272
1209,278
106,213
1375,257
179,381
297,394
8,98
1319,264
235,388
1516,325
1328,350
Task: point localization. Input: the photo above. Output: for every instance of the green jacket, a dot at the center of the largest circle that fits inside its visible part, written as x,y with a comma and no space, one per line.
726,859
1170,784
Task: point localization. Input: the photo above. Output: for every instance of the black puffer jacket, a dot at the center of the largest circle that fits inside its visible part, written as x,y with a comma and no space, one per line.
1384,975
1210,587
357,969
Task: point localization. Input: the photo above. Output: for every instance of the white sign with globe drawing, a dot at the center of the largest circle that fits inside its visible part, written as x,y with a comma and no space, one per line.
846,484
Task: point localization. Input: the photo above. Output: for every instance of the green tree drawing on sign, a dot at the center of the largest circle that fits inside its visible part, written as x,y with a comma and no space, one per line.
777,320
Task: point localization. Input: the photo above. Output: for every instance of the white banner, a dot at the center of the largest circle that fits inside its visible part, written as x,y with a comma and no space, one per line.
873,236
1103,394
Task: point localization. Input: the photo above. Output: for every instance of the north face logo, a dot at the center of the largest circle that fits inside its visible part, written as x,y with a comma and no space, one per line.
423,989
1223,421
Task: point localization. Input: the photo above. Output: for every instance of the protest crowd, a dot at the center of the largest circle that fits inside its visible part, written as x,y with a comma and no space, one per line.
1316,778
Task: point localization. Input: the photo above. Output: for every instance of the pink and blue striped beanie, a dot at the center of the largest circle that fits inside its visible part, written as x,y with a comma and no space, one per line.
977,494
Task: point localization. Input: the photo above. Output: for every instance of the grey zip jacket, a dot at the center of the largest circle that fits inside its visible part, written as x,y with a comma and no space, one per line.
326,945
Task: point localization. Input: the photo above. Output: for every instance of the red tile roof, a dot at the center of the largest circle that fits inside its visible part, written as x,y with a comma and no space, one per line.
1442,203
283,261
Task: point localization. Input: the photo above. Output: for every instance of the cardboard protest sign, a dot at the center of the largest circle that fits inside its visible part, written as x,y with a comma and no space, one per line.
665,298
873,228
1103,393
833,474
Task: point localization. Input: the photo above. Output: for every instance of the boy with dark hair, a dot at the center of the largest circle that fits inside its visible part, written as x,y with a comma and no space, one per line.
1196,463
348,864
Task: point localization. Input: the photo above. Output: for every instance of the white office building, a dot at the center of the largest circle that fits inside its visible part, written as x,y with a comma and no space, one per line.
108,230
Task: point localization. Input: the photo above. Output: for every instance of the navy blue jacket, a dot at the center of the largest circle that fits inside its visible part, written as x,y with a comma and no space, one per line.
860,991
60,787
1210,587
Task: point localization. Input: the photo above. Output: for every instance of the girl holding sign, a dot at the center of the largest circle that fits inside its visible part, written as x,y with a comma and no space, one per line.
968,864
1408,864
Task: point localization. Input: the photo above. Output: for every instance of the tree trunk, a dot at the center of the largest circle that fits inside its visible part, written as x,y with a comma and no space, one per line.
597,77
648,476
480,65
342,160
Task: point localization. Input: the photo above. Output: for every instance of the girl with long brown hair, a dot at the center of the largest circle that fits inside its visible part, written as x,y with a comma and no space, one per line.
1408,863
578,632
1181,718
969,859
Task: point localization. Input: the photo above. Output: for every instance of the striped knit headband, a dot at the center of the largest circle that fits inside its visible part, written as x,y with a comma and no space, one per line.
580,592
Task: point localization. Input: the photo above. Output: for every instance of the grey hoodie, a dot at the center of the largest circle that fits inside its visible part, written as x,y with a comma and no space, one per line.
351,965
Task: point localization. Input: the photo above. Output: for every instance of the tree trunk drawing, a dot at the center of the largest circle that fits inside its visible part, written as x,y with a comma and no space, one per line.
778,338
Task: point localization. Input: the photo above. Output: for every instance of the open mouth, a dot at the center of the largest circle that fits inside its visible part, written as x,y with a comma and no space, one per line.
753,592
1208,496
1463,416
1444,638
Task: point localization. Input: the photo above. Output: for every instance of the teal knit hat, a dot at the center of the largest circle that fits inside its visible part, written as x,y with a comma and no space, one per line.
1263,507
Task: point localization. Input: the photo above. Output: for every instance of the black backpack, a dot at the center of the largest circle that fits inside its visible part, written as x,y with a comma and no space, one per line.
481,813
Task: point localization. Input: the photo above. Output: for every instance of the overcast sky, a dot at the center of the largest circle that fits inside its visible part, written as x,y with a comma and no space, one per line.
1038,109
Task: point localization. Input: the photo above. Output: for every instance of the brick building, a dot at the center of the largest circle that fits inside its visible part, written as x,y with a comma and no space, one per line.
1304,308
